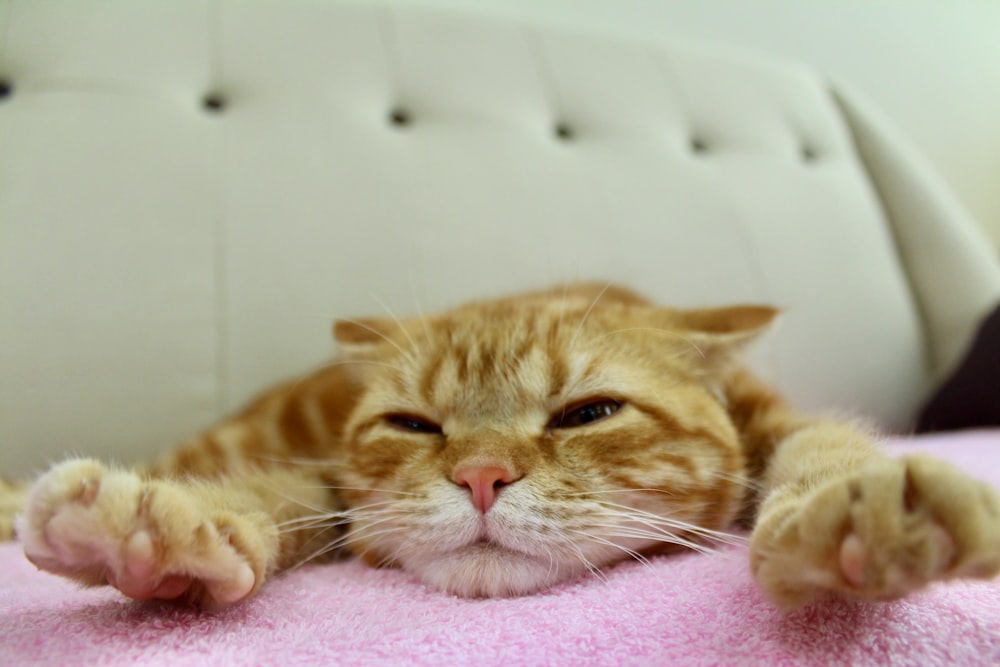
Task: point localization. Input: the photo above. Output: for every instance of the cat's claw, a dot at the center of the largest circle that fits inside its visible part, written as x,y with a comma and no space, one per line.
880,533
148,539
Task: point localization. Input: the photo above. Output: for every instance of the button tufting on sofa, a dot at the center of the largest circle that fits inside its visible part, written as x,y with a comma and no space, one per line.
214,102
563,131
710,165
400,117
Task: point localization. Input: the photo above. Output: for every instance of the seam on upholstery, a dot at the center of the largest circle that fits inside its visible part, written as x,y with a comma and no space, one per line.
388,31
215,59
932,362
7,18
546,77
673,82
219,228
219,285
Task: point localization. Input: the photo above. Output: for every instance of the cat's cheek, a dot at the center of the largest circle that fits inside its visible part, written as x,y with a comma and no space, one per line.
380,460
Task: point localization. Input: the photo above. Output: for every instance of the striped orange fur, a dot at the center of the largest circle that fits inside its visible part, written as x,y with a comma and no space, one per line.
502,447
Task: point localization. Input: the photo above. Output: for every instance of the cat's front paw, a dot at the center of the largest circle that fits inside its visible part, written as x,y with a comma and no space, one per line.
879,533
148,538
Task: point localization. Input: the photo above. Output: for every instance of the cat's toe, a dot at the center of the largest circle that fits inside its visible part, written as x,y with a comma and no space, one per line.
58,528
899,568
913,521
894,540
879,533
138,574
148,539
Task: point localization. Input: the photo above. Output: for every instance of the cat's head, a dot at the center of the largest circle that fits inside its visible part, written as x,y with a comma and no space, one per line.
506,445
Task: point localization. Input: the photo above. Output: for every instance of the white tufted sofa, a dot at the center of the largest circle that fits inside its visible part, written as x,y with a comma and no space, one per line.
191,191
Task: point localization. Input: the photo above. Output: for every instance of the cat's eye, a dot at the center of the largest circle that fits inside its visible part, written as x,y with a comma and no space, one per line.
413,424
585,413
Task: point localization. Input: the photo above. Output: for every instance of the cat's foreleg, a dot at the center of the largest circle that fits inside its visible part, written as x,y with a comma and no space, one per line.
210,542
839,517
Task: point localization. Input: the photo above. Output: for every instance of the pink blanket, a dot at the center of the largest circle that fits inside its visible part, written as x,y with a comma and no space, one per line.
683,610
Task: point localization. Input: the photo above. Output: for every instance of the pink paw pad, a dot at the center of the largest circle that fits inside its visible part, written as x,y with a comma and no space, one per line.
853,558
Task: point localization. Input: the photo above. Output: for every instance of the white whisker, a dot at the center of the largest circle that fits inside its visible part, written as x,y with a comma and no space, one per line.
296,460
741,480
562,306
661,521
359,532
416,302
635,555
363,488
383,336
593,569
583,320
347,515
658,536
668,332
598,493
399,323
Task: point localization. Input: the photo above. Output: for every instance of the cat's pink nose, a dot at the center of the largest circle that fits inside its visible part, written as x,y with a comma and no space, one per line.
484,482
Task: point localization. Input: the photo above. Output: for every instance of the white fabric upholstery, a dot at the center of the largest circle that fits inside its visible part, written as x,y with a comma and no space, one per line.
160,260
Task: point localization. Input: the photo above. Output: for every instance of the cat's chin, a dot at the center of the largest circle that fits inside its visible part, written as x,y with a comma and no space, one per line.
488,571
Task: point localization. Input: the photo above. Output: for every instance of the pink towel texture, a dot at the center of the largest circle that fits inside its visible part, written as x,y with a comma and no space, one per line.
689,609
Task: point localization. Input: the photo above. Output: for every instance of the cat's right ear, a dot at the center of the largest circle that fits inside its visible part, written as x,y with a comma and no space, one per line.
719,335
356,337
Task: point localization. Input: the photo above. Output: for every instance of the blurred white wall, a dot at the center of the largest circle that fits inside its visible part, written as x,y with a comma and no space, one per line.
932,65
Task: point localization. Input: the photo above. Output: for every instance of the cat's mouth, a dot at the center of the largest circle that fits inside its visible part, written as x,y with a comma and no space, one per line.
491,545
495,547
488,541
486,567
494,560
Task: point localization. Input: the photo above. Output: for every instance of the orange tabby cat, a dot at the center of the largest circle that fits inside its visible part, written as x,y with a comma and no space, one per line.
507,445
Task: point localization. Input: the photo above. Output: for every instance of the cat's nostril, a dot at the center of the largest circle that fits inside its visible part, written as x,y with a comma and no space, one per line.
484,482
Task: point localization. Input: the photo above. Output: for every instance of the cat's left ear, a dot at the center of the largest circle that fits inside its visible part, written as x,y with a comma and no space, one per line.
356,337
721,334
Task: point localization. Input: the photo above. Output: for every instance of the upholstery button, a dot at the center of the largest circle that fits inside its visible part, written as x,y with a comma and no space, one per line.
213,102
809,154
6,89
698,145
564,131
400,117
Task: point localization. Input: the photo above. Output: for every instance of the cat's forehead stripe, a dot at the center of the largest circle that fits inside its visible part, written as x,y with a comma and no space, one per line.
431,374
486,353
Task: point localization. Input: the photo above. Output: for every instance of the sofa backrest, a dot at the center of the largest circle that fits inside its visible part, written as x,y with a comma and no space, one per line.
189,196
